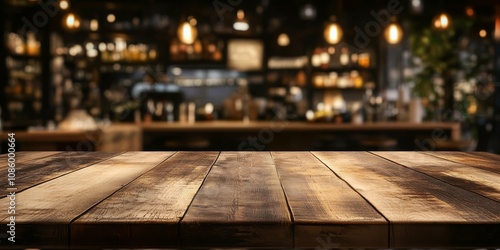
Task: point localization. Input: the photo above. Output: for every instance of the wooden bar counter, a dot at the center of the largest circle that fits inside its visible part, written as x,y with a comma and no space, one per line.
293,135
318,200
237,135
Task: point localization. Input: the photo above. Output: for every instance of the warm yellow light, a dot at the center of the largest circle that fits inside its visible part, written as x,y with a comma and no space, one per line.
283,40
483,33
187,33
241,24
111,18
193,21
442,21
240,14
333,33
94,25
393,34
71,21
64,4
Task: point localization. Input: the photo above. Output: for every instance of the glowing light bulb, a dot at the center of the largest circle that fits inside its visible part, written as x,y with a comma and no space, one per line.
283,40
187,33
241,24
240,14
71,21
111,18
483,33
442,21
94,25
333,33
64,4
393,34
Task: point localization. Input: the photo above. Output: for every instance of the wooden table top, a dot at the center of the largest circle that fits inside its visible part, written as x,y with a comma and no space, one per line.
318,200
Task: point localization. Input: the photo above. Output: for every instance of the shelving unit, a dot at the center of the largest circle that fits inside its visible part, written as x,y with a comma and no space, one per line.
22,65
79,75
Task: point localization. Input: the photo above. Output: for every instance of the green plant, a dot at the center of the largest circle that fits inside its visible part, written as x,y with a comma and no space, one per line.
438,56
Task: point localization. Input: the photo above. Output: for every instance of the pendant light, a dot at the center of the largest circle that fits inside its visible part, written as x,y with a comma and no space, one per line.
187,31
283,40
442,21
71,21
393,33
333,32
64,4
241,23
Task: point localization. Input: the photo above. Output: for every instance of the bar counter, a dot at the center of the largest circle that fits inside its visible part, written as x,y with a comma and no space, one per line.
297,136
321,200
238,135
254,126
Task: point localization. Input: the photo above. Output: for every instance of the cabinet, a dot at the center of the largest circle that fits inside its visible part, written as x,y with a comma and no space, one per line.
24,89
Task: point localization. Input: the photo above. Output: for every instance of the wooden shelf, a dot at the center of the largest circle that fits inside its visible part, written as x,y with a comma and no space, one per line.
338,88
342,69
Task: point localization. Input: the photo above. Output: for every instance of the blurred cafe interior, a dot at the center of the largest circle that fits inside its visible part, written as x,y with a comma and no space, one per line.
115,75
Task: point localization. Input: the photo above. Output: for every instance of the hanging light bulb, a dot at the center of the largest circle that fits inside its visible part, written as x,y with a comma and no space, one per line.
283,40
64,4
71,21
241,23
333,32
111,18
187,32
94,25
442,21
393,33
483,33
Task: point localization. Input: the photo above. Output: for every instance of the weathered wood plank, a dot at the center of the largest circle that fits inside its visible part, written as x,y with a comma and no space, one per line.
326,212
28,155
147,212
423,211
477,180
240,204
39,170
482,160
45,211
25,156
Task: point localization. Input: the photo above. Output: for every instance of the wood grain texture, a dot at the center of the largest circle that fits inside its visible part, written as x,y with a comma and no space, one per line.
240,204
423,211
24,156
482,160
326,212
41,169
476,180
45,211
147,212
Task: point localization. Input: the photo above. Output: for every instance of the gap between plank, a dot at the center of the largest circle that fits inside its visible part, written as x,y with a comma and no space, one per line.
373,206
105,198
286,199
190,203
